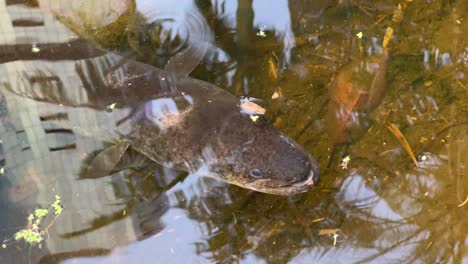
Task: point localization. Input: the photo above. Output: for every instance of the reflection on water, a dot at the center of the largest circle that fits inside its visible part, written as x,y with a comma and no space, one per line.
337,88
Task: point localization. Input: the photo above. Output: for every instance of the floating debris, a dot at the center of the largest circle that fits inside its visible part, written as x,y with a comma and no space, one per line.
261,33
254,118
423,157
464,202
429,245
359,35
335,238
318,220
111,107
344,162
397,133
2,171
35,48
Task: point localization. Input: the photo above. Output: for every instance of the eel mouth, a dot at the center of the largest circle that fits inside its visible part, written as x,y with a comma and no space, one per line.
272,187
310,181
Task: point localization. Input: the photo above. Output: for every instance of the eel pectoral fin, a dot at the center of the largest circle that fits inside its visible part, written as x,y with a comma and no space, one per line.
103,164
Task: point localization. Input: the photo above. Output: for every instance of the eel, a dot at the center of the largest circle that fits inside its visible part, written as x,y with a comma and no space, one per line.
171,118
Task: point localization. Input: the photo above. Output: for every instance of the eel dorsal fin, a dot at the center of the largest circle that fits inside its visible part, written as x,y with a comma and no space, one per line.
199,39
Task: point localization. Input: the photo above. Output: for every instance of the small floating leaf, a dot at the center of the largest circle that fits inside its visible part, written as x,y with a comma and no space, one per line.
254,118
111,107
397,133
344,162
275,95
35,49
261,33
359,35
252,108
388,36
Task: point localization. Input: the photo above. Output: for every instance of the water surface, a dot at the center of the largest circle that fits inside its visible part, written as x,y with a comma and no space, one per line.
339,89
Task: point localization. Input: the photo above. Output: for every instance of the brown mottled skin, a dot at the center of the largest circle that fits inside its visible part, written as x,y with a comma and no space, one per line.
208,133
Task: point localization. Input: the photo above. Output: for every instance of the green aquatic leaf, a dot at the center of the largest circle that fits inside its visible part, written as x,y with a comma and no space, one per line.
40,213
29,235
30,217
56,205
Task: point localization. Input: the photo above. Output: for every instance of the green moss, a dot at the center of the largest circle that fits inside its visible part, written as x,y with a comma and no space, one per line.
33,234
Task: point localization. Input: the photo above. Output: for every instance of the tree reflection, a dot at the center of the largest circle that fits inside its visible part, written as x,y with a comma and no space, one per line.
409,214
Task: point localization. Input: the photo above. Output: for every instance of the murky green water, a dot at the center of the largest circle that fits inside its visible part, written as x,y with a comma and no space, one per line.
325,78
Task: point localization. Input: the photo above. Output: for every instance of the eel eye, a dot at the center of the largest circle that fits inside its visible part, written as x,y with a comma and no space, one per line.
256,173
